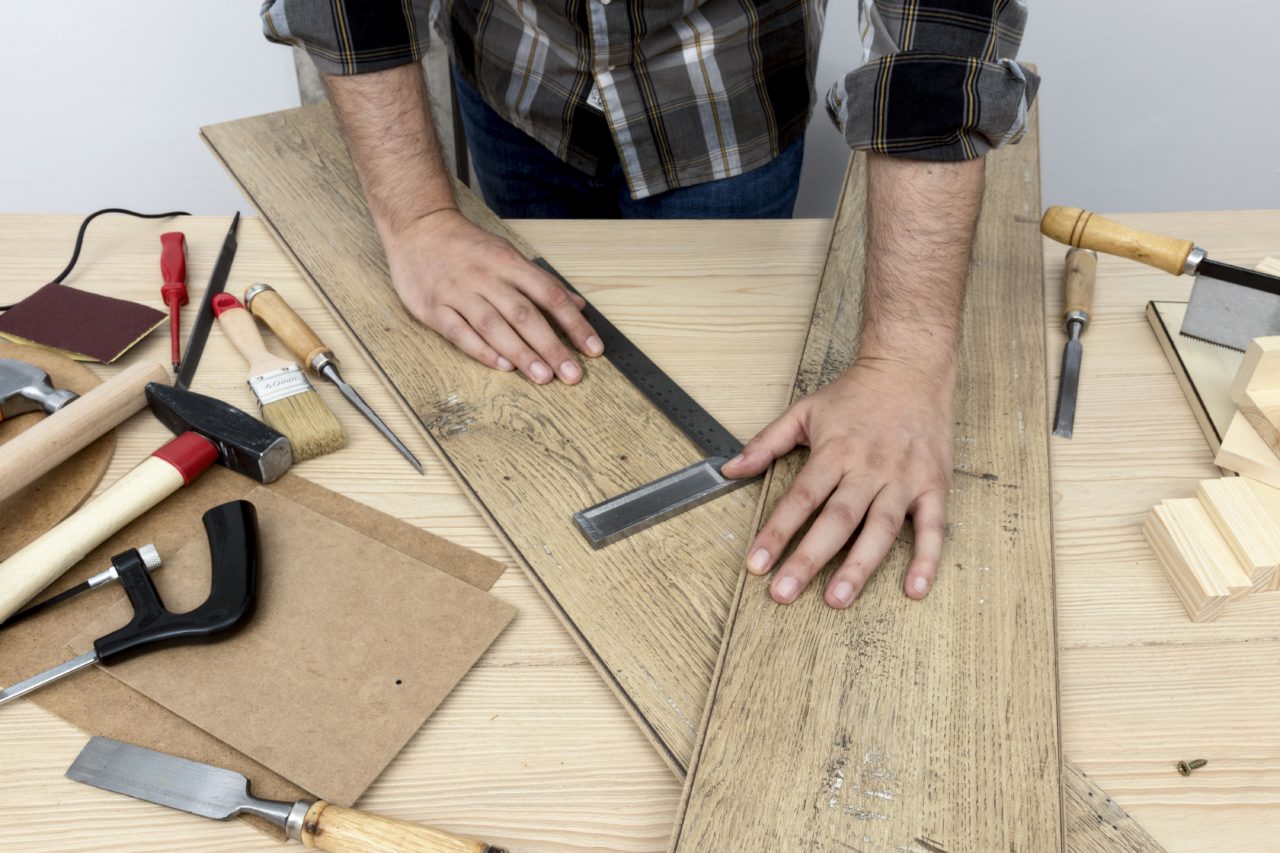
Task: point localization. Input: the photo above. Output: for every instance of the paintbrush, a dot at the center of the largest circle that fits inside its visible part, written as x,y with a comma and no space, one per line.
288,402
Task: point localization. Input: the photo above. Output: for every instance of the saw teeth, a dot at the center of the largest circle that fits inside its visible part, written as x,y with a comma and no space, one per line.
1207,341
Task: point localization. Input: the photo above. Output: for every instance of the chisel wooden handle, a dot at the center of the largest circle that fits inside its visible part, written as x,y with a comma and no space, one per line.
339,830
43,561
40,449
1084,229
238,325
269,307
1078,279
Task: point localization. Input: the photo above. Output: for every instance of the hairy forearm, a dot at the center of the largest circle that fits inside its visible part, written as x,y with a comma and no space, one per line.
386,119
921,218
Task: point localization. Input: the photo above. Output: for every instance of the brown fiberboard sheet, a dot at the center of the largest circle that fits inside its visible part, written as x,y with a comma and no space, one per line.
902,725
283,162
346,629
647,610
99,704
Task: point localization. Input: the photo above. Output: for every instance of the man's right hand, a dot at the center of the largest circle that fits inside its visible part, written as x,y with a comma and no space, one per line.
478,291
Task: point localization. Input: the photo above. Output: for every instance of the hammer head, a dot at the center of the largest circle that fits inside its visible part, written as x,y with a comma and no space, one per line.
26,388
245,444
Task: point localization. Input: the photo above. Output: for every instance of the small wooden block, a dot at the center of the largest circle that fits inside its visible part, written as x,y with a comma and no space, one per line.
1259,371
1269,497
1244,452
1246,526
1199,564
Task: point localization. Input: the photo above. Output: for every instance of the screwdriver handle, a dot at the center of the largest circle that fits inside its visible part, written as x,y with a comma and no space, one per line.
1084,229
338,830
1078,279
269,306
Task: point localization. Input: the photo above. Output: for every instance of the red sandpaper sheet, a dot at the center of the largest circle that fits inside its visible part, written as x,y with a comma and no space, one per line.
85,326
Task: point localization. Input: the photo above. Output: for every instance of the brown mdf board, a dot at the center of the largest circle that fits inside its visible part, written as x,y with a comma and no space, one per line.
903,725
648,610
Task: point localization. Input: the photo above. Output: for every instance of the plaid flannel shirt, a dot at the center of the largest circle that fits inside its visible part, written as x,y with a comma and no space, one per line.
688,91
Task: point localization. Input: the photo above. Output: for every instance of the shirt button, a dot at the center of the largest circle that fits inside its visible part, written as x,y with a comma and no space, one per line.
604,2
608,67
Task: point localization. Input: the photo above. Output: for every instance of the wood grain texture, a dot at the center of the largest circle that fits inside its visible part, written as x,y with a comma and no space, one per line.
899,725
1095,823
1246,525
649,609
532,749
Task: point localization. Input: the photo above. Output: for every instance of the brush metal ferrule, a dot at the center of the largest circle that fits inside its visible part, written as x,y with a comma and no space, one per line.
1194,257
276,385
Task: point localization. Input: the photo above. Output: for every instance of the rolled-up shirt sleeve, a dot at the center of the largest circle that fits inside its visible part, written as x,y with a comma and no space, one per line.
939,80
351,36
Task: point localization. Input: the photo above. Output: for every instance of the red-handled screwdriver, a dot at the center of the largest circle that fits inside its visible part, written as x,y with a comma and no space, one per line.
173,266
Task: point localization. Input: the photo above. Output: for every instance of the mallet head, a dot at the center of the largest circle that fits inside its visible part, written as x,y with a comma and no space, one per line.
245,444
26,388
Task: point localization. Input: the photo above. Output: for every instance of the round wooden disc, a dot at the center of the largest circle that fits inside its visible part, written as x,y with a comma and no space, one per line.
53,497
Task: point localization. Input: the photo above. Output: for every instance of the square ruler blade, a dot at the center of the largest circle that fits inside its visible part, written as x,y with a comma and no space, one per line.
681,490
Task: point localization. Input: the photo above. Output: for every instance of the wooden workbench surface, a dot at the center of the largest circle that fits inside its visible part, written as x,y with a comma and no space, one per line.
532,750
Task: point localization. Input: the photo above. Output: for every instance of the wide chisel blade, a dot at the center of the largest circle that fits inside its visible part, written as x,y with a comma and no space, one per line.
1065,419
169,781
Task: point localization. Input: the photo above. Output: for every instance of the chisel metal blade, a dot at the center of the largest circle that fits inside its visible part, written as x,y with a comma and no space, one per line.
330,372
651,503
167,780
1065,419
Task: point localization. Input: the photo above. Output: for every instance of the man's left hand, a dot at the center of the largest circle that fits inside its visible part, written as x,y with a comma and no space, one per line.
881,448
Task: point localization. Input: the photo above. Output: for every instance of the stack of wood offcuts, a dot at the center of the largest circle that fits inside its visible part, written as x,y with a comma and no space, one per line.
1224,543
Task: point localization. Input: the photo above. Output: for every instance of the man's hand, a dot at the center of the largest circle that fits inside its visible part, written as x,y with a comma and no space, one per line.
881,437
881,449
469,285
474,288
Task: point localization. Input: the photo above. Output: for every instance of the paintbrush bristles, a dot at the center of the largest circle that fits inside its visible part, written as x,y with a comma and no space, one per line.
311,428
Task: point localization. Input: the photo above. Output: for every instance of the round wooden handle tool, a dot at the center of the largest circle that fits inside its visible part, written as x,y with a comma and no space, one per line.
339,830
1078,279
239,325
270,307
1086,230
39,450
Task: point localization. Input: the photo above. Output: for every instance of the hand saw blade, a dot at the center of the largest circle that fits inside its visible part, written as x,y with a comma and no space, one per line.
1230,306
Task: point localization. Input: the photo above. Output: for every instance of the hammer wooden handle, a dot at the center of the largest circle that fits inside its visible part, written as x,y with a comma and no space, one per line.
43,561
1086,230
44,446
338,830
301,339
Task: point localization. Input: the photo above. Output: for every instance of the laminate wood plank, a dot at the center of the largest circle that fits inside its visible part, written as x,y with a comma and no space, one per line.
650,608
899,725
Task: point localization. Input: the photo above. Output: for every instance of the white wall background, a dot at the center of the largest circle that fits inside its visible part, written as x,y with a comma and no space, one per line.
1167,105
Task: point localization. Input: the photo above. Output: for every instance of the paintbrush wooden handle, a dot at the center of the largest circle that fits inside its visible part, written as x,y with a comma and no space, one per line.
242,330
1078,279
268,306
40,449
338,830
1084,229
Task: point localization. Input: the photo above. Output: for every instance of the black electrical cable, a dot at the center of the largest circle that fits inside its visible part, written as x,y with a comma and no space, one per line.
84,226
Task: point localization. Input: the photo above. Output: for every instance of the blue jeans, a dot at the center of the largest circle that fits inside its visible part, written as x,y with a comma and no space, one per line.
521,179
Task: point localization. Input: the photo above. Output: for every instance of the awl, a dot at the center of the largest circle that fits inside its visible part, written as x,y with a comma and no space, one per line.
1229,305
1078,279
208,791
265,303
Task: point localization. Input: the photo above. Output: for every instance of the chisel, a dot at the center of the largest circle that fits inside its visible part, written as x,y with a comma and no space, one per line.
1229,305
265,303
1078,278
213,792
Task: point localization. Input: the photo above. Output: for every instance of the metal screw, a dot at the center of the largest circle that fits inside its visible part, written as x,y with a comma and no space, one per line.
1185,767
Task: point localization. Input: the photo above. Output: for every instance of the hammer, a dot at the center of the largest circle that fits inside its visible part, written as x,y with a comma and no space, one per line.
69,428
209,431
